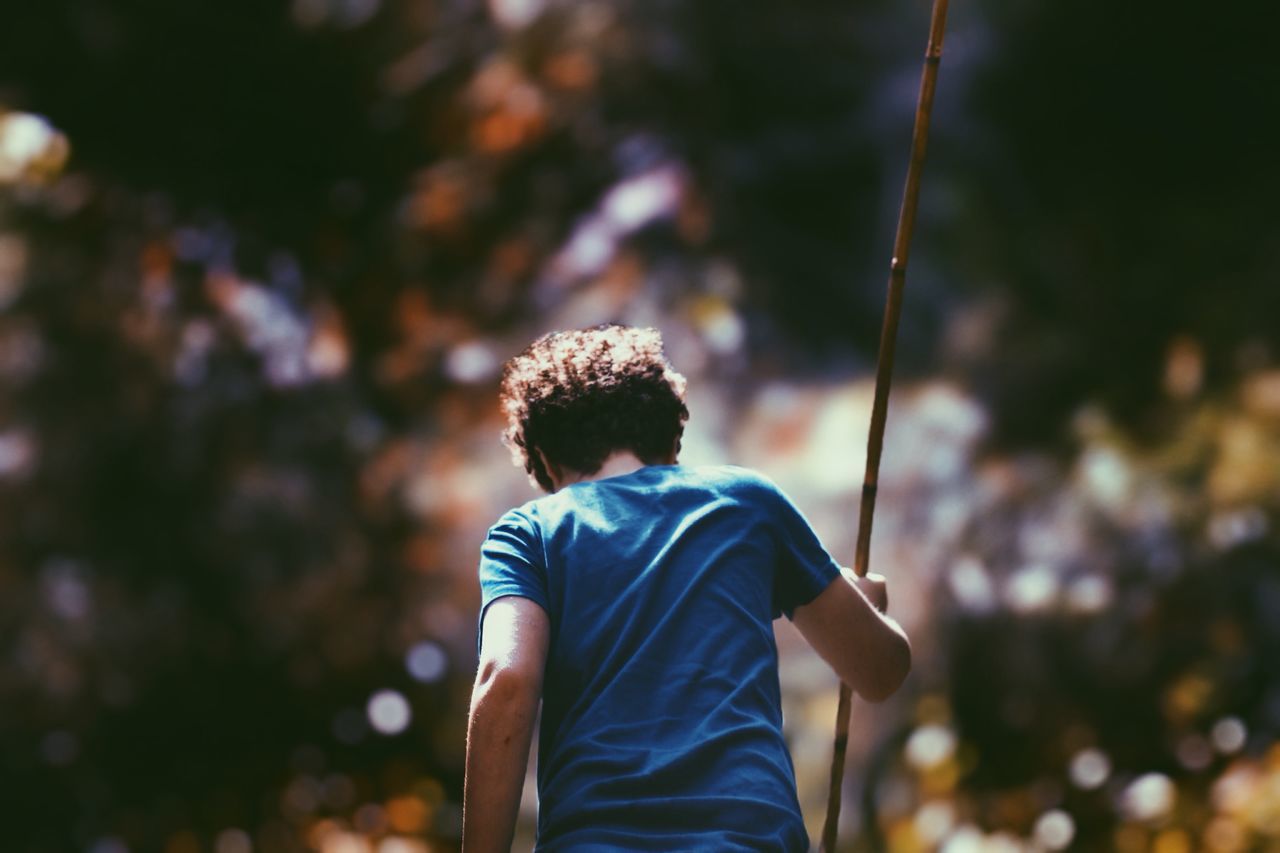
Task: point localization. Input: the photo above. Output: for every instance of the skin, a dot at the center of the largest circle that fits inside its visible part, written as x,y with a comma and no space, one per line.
504,706
846,625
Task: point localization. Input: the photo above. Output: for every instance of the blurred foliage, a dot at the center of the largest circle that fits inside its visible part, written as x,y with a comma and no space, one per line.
1108,628
259,263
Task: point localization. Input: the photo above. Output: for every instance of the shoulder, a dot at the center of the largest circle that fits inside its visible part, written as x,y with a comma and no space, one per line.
521,522
736,481
518,516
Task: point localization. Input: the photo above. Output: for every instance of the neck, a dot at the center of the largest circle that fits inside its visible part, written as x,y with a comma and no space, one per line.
615,465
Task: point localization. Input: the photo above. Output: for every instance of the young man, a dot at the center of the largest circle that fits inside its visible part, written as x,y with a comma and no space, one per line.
635,601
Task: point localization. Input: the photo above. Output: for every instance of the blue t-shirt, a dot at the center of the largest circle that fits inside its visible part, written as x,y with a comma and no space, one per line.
661,711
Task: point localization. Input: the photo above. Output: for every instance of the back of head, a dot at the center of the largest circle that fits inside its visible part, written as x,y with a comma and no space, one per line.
580,395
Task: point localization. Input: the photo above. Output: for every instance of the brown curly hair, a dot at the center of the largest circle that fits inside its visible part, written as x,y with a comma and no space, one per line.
580,395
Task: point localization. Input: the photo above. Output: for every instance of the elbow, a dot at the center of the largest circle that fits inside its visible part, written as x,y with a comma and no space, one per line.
893,671
505,684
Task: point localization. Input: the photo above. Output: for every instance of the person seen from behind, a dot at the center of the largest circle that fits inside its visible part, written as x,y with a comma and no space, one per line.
634,601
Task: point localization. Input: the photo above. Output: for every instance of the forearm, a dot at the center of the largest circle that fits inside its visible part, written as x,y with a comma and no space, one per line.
890,662
888,658
498,736
867,648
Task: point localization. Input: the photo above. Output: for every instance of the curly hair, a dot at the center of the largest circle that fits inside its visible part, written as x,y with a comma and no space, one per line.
578,396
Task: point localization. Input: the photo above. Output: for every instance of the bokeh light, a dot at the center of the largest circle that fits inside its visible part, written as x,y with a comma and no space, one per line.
1149,797
427,662
389,712
1090,768
1055,830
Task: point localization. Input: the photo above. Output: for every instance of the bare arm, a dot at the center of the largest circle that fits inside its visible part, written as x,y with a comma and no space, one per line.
846,627
504,705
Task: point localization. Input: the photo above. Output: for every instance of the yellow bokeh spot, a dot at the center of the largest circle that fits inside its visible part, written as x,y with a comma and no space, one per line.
903,838
1187,696
1224,835
407,814
940,779
1172,841
1130,838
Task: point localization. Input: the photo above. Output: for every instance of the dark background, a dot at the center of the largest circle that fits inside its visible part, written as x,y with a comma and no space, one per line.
250,329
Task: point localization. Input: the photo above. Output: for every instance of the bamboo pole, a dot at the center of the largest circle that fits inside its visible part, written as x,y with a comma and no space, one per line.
884,376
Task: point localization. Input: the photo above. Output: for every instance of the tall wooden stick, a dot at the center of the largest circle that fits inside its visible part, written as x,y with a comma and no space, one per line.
884,376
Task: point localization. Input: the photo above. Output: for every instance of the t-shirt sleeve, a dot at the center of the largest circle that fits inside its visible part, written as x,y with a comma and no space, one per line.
511,563
804,567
